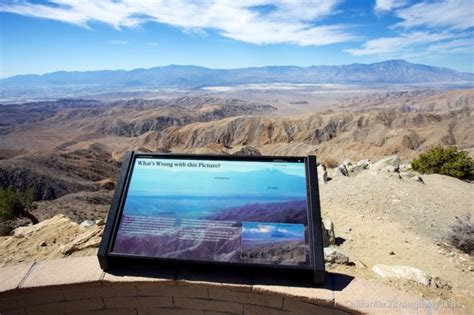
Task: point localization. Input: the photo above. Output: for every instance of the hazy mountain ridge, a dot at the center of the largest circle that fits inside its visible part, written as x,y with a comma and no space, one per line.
391,71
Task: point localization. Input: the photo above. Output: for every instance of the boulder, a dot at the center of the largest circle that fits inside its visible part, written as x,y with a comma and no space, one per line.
405,167
391,163
359,167
343,169
248,151
88,239
436,282
333,256
87,223
393,160
365,164
321,171
99,222
326,177
329,237
403,272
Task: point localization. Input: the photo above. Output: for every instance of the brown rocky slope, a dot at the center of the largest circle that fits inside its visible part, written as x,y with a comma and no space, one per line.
352,135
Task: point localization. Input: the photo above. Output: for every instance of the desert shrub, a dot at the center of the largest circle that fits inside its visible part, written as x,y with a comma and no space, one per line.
8,203
330,162
446,161
17,204
461,234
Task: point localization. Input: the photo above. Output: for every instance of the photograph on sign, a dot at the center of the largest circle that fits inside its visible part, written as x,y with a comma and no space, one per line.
216,211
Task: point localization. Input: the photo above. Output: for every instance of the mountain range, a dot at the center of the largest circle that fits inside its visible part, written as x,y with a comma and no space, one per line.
176,76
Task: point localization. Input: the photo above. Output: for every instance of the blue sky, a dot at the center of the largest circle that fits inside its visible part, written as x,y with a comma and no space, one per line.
45,36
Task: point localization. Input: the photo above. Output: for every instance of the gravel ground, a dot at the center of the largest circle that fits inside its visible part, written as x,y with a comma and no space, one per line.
387,220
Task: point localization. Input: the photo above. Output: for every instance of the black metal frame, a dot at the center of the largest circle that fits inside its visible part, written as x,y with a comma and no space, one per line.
316,270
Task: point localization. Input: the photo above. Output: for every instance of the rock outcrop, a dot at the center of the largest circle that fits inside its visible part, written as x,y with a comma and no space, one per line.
248,151
329,238
88,239
56,237
332,255
410,274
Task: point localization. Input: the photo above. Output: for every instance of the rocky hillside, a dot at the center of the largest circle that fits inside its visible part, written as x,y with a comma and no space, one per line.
124,118
77,146
52,175
69,146
430,100
27,113
137,117
353,134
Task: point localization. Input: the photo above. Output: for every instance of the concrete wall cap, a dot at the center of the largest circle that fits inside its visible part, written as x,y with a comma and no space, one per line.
79,285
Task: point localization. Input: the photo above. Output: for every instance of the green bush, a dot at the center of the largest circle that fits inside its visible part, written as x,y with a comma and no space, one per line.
8,203
15,204
445,161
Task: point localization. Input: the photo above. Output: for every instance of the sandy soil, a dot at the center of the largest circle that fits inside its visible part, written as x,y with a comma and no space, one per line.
392,221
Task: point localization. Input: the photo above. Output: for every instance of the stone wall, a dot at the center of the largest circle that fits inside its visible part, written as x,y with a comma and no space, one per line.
78,285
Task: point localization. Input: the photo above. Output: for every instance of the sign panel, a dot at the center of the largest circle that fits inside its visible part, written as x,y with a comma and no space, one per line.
256,212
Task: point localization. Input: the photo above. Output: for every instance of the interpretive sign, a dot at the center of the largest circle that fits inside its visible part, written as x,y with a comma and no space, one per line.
252,212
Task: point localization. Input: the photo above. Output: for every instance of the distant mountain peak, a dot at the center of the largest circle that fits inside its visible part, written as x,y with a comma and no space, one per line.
397,61
396,71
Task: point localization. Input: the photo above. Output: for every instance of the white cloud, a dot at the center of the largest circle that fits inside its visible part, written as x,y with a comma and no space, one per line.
464,45
251,21
195,31
453,14
382,6
391,45
154,44
261,229
117,42
426,27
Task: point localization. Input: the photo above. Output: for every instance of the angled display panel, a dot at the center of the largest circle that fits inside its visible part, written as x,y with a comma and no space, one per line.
218,210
